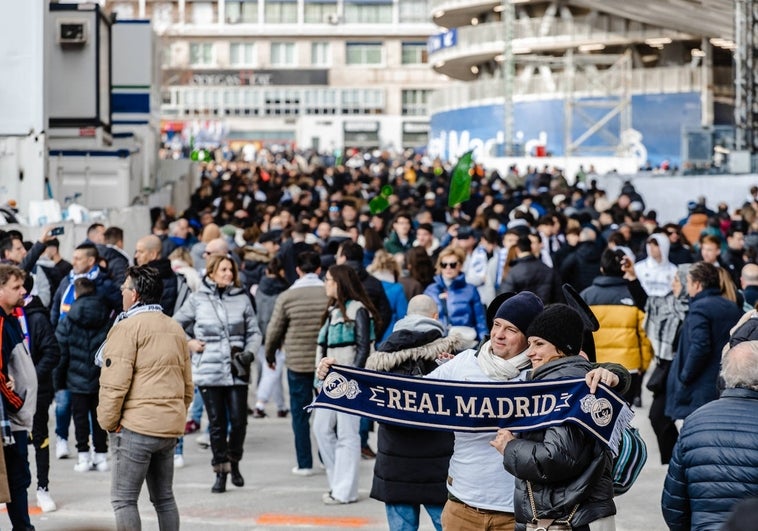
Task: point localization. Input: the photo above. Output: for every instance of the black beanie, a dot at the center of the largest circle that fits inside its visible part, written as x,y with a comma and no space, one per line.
520,310
560,325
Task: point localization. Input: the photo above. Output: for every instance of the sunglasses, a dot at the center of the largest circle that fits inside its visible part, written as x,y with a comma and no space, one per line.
451,265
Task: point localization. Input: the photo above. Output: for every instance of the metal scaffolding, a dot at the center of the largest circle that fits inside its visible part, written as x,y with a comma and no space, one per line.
746,76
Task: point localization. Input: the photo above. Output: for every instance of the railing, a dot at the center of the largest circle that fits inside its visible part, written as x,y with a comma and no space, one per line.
644,80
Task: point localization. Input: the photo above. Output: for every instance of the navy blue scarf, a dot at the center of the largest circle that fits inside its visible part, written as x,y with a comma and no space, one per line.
475,406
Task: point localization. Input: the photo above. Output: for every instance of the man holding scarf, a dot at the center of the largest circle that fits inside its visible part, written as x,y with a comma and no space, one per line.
480,491
84,262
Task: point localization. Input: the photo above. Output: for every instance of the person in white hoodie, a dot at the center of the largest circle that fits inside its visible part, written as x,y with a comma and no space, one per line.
655,272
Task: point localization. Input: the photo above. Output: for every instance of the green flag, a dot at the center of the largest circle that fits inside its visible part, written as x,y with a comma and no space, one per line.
460,181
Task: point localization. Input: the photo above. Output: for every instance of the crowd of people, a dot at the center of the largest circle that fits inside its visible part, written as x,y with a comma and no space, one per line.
282,263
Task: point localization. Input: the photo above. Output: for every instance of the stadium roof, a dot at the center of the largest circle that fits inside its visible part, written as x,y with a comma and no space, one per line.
705,18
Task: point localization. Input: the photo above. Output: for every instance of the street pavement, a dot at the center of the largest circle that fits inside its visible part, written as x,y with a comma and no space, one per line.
274,499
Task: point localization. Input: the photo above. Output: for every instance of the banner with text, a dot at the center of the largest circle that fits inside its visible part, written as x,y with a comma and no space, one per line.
474,406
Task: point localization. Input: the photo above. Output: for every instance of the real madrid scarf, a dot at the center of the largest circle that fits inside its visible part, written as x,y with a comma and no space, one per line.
475,406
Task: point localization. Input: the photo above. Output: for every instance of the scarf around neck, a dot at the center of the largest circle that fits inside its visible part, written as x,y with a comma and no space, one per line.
498,368
68,296
136,308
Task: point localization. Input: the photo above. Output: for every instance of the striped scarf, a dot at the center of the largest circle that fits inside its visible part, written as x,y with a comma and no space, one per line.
136,308
68,296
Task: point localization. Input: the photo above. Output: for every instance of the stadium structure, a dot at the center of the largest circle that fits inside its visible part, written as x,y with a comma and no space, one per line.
648,79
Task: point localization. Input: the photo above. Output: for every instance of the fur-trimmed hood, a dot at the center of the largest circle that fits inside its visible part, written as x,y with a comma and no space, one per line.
386,361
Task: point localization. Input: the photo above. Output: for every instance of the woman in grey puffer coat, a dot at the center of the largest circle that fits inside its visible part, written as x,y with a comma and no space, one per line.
225,336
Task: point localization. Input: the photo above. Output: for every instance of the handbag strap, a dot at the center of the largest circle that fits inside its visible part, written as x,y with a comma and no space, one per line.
543,522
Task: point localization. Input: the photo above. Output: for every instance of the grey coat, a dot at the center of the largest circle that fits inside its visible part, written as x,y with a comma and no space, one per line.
222,322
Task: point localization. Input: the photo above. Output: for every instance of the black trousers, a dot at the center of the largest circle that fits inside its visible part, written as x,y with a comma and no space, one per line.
84,411
41,438
227,414
664,428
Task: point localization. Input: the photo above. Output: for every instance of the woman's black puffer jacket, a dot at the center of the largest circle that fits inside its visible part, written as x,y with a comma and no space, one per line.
565,464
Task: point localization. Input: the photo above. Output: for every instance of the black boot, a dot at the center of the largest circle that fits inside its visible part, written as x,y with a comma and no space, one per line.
237,479
220,484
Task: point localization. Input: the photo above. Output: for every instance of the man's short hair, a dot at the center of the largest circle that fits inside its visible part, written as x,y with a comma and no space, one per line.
83,286
146,282
94,227
351,251
89,249
610,262
422,305
8,272
710,238
308,262
524,244
113,235
739,368
6,245
706,274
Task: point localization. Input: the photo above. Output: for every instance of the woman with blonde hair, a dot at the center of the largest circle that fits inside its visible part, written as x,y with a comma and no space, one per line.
225,337
386,269
458,302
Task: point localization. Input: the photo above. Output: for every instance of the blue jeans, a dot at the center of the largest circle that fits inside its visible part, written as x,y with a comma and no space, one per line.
138,458
196,408
62,413
19,479
405,517
301,394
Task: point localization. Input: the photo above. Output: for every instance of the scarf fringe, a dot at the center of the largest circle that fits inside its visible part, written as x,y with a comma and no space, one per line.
622,423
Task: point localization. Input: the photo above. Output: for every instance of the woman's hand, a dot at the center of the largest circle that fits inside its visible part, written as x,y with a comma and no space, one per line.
502,439
600,375
195,345
323,367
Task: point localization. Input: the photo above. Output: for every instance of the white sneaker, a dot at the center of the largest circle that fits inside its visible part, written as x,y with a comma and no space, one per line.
61,447
178,461
204,440
303,471
83,464
100,462
45,501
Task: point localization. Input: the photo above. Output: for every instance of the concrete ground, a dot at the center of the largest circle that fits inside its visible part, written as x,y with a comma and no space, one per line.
274,499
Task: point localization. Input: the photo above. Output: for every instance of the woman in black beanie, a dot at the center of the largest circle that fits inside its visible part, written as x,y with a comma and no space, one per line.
567,470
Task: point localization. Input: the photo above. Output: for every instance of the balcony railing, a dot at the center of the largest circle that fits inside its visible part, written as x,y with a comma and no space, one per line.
644,80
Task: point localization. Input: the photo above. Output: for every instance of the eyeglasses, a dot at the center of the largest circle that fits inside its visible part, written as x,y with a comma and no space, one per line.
446,265
328,279
127,287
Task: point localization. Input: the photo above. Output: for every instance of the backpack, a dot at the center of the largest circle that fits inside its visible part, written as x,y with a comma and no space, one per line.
630,460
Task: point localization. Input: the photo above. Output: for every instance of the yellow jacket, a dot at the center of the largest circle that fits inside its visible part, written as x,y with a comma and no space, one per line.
621,337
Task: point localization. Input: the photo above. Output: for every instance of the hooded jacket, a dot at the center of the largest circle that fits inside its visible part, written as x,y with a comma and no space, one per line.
656,277
223,319
43,344
79,335
565,464
411,464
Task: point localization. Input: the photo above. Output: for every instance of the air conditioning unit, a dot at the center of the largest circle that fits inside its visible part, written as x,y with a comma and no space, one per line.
72,32
332,18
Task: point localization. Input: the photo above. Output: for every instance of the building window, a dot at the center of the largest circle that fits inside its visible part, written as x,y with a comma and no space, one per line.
281,12
283,54
242,54
241,12
368,13
414,53
321,12
202,13
201,54
320,54
362,101
414,11
415,102
363,53
162,14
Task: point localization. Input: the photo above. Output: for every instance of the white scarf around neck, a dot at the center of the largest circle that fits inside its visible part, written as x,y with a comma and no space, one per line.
498,368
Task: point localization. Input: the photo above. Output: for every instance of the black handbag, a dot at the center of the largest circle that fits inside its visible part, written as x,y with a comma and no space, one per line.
547,524
657,381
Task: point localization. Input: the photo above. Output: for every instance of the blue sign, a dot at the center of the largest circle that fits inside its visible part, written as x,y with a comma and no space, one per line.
659,118
442,40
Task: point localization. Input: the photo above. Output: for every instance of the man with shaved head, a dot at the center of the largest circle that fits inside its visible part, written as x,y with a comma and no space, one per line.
148,252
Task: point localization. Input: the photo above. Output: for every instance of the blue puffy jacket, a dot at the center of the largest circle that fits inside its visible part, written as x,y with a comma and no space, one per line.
461,306
693,379
715,463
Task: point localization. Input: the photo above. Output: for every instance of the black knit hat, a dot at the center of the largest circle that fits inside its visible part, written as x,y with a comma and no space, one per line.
560,325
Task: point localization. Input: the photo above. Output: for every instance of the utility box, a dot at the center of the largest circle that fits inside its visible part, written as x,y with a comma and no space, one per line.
78,66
